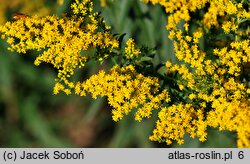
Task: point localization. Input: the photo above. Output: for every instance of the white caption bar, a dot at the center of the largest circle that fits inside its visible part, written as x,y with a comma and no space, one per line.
122,155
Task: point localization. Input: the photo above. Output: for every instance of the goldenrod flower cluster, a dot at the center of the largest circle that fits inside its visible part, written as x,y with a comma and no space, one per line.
176,120
64,42
213,82
210,81
125,90
131,51
181,9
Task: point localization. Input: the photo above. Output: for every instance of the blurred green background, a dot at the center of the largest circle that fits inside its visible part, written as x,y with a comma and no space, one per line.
31,116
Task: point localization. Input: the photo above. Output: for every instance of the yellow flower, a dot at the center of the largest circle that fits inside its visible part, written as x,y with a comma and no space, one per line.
64,41
168,64
131,51
181,87
126,89
192,96
177,120
212,81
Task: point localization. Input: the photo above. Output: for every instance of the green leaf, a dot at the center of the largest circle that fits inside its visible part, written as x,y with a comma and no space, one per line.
120,39
37,124
145,58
